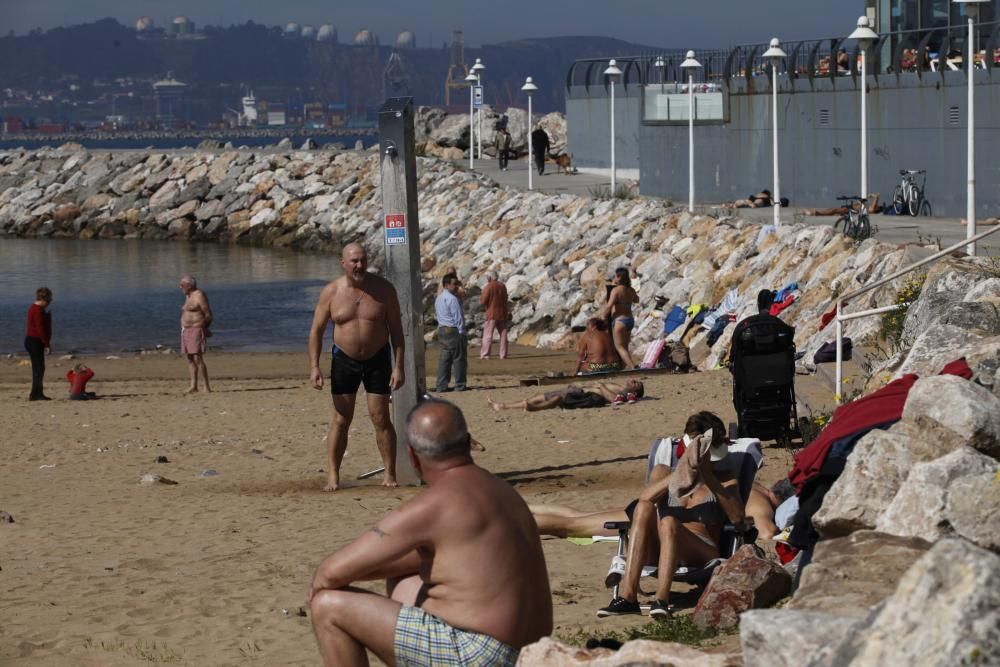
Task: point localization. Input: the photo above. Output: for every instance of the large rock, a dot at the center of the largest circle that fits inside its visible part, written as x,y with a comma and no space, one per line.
849,575
547,652
873,474
453,131
792,638
745,581
957,494
959,405
936,343
947,283
945,612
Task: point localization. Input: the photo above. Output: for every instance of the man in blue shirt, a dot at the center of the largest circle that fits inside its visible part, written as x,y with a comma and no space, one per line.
451,335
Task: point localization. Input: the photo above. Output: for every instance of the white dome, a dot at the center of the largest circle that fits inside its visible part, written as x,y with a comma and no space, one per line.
327,33
143,23
406,40
308,32
292,28
364,38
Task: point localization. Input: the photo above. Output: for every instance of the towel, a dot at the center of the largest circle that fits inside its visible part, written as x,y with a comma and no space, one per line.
685,478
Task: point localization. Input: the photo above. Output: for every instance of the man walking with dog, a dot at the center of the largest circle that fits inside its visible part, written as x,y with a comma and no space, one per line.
540,148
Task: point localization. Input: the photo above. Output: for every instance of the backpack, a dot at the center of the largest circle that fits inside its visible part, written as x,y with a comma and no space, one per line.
828,352
508,141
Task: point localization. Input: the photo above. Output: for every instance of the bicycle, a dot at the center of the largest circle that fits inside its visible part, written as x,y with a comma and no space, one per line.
855,222
908,196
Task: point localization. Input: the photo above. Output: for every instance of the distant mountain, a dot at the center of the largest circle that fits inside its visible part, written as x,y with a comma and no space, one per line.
224,61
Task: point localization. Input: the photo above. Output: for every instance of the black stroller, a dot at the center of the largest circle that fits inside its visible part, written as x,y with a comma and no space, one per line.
762,359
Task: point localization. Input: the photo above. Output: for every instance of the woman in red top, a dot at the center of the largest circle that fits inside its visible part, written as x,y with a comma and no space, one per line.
38,339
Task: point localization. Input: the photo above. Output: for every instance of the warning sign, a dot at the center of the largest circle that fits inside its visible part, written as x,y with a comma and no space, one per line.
395,229
477,96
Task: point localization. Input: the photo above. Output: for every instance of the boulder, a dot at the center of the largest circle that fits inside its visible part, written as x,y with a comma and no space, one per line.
956,494
945,611
745,581
165,197
284,145
961,406
792,638
849,575
547,652
947,283
453,131
935,343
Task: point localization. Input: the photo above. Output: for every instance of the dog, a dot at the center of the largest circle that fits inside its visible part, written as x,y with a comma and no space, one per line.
564,163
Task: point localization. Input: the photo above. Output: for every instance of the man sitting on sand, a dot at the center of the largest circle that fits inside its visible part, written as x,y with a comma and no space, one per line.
573,397
596,351
466,582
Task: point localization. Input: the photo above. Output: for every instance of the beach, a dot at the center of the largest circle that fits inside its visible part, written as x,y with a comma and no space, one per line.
102,570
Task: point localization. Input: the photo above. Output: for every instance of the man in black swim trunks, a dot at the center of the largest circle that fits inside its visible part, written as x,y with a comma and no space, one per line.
365,312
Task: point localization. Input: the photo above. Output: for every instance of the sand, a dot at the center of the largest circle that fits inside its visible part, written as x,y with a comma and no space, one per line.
100,570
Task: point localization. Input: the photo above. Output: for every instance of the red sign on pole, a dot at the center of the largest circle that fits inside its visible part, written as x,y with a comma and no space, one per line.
395,221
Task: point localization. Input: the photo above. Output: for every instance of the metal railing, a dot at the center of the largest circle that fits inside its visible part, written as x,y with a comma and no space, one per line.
842,300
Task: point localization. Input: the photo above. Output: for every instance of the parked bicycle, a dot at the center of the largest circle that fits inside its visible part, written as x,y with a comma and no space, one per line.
854,223
908,196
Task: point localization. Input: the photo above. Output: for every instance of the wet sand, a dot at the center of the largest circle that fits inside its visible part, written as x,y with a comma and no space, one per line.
100,570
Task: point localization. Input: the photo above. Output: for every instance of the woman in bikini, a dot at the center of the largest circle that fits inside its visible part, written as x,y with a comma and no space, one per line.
619,307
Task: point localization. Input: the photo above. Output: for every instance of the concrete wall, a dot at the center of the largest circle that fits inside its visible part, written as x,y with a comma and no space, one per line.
588,125
910,120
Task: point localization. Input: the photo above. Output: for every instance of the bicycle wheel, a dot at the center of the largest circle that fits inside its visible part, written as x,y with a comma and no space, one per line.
842,223
862,229
913,199
925,209
898,203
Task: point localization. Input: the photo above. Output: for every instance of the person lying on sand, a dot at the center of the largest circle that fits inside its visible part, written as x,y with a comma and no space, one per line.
466,581
573,397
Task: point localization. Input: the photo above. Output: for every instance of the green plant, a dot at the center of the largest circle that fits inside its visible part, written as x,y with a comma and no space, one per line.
891,326
680,629
991,262
599,192
811,426
621,191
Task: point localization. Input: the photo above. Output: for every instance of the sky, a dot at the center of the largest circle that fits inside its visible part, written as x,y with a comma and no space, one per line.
660,23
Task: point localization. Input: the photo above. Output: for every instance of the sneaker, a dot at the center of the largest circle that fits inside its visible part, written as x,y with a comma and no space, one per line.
660,610
619,607
631,398
619,399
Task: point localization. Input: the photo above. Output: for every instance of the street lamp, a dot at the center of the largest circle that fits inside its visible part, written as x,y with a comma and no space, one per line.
865,37
477,69
529,87
472,79
971,11
775,55
660,64
690,65
612,71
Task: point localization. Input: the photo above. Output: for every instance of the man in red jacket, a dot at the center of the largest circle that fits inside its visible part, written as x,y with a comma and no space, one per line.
38,340
494,298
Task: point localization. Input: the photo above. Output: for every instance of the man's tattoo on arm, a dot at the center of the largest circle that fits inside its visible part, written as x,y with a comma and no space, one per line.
378,531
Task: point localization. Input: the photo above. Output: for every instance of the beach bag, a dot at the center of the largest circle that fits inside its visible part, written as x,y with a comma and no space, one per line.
828,352
578,400
680,357
652,354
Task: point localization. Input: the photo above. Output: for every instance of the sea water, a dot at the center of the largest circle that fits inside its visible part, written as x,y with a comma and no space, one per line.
119,295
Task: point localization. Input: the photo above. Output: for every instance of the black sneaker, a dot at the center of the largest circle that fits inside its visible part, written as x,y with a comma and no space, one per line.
660,610
619,607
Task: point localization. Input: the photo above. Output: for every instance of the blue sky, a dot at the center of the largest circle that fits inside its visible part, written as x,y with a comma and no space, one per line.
662,23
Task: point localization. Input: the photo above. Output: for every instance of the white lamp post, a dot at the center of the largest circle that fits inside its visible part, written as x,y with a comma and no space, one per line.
612,71
472,79
972,12
660,64
775,55
477,69
690,65
865,37
529,87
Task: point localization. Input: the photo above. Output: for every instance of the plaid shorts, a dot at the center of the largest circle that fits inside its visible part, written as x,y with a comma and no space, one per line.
423,640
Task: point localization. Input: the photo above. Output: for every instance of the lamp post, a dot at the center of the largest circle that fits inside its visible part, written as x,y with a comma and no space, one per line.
472,79
529,87
660,64
775,55
690,65
477,69
612,71
972,12
865,37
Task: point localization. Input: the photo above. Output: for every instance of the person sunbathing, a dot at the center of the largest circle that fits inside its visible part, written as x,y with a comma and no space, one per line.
873,207
596,351
573,397
760,200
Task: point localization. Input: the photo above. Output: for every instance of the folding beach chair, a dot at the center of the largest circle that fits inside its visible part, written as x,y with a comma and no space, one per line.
746,458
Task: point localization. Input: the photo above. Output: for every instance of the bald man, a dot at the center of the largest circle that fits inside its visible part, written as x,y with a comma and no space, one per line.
196,316
466,582
364,310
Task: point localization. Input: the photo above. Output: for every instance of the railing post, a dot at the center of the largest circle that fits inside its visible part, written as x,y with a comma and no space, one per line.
402,260
840,355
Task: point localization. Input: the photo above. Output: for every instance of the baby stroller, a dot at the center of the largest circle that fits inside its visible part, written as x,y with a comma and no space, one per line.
762,360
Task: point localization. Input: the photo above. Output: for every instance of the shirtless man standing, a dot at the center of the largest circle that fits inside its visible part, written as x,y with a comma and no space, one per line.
596,352
364,309
196,317
466,582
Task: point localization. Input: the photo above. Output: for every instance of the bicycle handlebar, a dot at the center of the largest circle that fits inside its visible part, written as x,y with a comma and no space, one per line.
852,198
904,172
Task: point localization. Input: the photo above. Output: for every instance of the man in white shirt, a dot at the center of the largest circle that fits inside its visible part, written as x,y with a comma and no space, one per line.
451,335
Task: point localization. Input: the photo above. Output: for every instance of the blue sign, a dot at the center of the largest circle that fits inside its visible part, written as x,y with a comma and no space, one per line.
395,236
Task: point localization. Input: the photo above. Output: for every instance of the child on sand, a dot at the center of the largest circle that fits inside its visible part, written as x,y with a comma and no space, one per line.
78,378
